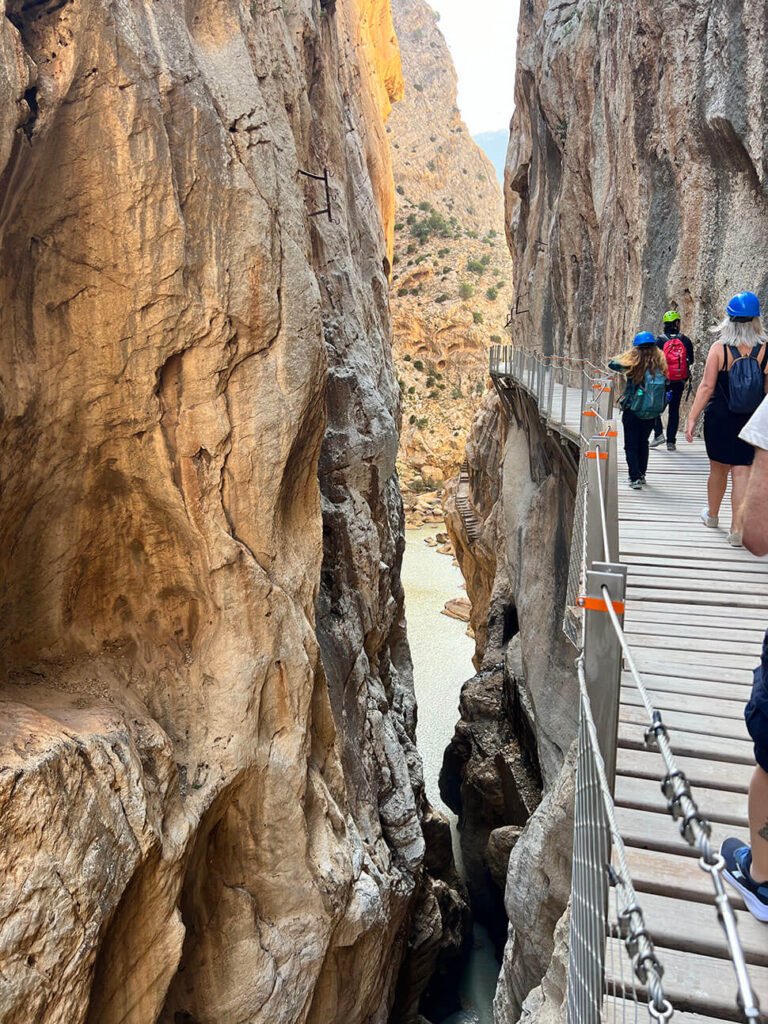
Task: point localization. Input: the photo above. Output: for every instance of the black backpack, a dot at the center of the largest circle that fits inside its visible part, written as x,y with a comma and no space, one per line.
746,380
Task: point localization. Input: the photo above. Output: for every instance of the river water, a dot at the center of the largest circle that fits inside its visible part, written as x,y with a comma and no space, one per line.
442,661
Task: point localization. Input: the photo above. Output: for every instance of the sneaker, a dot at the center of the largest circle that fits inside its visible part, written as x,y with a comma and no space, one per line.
738,859
642,480
671,446
659,439
636,485
708,520
734,539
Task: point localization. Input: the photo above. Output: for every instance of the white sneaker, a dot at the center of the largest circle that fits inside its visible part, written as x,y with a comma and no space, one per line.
708,520
734,539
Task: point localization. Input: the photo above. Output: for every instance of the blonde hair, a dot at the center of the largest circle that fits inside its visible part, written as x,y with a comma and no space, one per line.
746,333
639,358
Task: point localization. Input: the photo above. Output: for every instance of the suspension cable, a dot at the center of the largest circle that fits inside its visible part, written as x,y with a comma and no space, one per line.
631,922
693,827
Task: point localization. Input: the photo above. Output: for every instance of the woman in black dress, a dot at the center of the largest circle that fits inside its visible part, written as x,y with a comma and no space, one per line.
727,453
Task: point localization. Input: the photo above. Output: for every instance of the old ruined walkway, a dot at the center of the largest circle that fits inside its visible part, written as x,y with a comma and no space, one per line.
695,614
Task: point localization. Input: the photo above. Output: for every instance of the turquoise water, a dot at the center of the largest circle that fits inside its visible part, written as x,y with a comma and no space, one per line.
442,661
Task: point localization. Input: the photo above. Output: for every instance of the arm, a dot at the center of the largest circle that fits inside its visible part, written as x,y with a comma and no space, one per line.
755,528
689,351
616,366
707,386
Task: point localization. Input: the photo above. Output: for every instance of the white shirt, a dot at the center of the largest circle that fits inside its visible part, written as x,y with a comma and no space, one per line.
756,430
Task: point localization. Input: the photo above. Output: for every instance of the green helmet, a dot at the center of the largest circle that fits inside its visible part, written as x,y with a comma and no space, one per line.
671,316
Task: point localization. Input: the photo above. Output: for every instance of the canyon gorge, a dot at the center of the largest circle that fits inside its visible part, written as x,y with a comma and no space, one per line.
251,265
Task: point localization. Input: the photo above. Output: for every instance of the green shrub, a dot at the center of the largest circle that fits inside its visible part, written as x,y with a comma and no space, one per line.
479,387
495,338
475,267
434,224
424,206
466,291
477,316
418,365
407,357
442,297
421,423
411,218
417,87
432,138
412,418
420,259
399,226
457,393
430,381
400,190
411,390
491,294
492,233
441,386
395,260
402,291
441,253
430,165
433,394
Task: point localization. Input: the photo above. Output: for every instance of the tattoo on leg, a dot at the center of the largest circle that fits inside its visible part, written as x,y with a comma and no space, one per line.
763,832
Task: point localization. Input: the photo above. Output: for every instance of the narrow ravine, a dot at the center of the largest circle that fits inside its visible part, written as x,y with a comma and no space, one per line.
442,661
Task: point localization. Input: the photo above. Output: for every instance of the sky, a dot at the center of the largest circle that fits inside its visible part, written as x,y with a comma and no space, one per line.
482,36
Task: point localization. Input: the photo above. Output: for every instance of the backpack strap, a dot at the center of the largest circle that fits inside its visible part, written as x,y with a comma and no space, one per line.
764,360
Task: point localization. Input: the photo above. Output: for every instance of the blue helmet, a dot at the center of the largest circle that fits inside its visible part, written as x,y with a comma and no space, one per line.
644,338
745,305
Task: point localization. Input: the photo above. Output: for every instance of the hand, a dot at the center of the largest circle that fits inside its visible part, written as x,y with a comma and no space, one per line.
689,425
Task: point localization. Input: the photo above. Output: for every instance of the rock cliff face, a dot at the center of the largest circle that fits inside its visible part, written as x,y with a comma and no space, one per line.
210,796
452,276
637,157
518,714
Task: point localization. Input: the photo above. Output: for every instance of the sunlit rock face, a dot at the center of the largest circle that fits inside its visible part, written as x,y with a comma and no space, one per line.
449,218
209,789
638,158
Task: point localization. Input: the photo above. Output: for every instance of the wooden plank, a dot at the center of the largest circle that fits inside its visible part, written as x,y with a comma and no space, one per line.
640,621
696,983
693,704
714,804
694,928
735,692
659,832
720,599
672,875
661,641
656,663
625,1011
692,744
647,764
706,659
710,725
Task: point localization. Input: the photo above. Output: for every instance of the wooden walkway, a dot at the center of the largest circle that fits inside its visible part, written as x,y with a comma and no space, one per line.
695,615
696,612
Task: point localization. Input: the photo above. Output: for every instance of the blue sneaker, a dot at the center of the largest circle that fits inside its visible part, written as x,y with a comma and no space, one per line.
738,859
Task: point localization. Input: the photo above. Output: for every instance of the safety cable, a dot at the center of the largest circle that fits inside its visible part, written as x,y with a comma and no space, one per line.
693,827
631,922
601,503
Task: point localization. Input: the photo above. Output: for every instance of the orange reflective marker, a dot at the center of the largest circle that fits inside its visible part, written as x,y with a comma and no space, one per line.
597,604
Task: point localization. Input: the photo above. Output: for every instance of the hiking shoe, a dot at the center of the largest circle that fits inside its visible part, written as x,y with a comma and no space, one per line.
671,446
738,859
642,480
708,520
636,485
659,439
734,539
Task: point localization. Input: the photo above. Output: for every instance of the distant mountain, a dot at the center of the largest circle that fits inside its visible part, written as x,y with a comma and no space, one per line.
494,144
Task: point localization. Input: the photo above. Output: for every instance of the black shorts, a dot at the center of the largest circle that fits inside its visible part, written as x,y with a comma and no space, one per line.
756,711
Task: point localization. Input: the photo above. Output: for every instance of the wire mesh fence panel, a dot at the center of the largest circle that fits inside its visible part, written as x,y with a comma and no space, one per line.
573,621
589,890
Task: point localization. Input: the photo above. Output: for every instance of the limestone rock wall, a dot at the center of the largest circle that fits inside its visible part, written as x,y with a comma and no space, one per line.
519,713
638,158
449,217
209,789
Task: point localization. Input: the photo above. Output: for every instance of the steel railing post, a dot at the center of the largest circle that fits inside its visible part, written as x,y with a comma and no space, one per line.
550,388
612,488
602,655
565,377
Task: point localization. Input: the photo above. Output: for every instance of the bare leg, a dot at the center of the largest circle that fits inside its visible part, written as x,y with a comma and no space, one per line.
740,479
758,824
716,484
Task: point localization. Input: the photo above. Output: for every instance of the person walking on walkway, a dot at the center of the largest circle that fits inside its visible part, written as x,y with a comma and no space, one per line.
678,351
730,391
645,368
746,867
